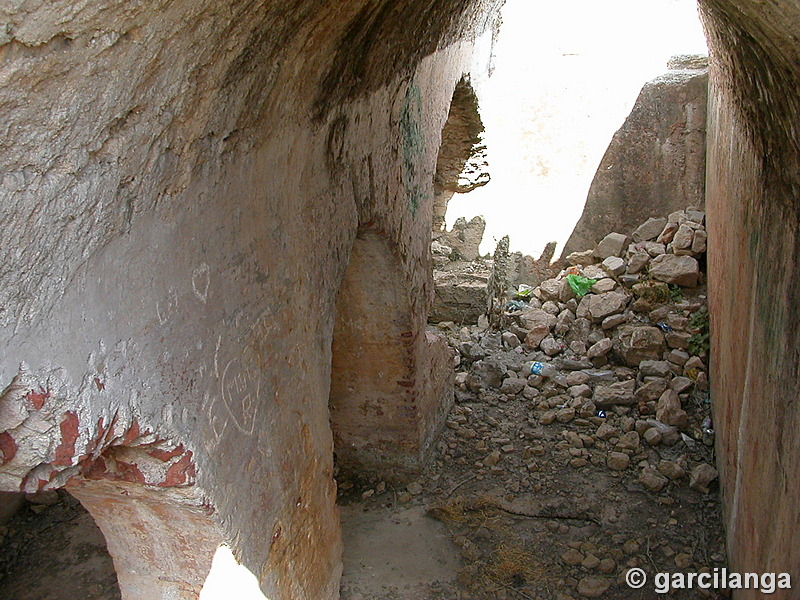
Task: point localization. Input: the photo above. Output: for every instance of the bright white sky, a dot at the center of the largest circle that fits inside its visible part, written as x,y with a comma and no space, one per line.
566,76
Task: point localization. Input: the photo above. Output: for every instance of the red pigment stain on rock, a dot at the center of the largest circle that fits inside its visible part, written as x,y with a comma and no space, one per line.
94,469
166,455
37,398
69,435
100,385
183,471
132,433
129,472
8,447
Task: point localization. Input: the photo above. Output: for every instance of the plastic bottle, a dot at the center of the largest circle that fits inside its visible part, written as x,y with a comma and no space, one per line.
543,369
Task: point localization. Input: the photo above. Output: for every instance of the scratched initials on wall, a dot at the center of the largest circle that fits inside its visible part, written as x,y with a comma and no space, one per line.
241,383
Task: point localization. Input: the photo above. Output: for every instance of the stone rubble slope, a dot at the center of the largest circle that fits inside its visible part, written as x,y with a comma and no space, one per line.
630,355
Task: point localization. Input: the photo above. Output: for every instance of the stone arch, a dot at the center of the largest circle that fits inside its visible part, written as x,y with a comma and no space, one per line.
389,377
139,488
162,540
461,164
52,528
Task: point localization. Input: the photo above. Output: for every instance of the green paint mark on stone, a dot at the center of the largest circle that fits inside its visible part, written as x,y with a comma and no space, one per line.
413,145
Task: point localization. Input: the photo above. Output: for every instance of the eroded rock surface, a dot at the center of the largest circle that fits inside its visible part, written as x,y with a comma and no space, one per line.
185,188
655,162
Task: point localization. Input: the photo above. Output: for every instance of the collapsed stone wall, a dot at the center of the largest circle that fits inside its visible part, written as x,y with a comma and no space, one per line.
183,187
461,165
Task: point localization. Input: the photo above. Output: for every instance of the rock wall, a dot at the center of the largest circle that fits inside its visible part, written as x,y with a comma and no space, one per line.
182,187
753,197
183,184
655,163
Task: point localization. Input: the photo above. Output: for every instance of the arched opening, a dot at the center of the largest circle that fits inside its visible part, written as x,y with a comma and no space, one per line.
138,488
104,540
52,548
162,540
459,274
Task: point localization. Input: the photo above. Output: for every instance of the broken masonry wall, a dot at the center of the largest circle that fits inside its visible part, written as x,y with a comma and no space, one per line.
393,376
182,189
753,202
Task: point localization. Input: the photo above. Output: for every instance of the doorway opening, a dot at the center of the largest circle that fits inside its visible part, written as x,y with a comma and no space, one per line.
52,548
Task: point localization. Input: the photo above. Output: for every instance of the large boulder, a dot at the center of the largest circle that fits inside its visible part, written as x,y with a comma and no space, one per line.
459,297
634,343
682,240
620,392
655,162
669,410
538,323
599,306
679,270
613,244
650,229
486,374
550,289
465,237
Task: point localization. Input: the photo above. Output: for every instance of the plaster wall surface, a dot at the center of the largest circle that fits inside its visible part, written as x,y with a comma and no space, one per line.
182,187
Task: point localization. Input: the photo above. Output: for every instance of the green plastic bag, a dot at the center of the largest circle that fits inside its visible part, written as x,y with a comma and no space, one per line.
580,285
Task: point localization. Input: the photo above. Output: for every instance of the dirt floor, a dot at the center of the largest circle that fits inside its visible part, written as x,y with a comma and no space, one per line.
533,525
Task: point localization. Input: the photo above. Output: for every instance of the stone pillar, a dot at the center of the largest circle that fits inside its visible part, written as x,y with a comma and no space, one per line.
753,203
162,540
389,378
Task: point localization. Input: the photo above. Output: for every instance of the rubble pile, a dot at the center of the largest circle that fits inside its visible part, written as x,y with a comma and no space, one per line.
461,276
625,362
